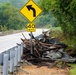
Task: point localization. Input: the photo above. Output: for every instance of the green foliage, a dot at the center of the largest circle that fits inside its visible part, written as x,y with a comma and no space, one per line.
44,20
45,5
3,1
73,70
48,26
57,33
70,42
41,21
3,28
10,17
65,13
16,3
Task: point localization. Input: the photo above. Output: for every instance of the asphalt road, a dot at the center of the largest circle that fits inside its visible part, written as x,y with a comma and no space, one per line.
9,41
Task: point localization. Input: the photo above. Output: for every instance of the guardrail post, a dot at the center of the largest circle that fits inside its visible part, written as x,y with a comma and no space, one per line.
8,52
19,54
16,56
5,64
1,58
1,62
22,49
12,55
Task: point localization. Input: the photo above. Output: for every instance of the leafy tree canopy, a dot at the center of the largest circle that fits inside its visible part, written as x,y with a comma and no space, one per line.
16,3
64,11
10,17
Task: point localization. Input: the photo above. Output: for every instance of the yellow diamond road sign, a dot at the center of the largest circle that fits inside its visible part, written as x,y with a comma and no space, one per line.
30,10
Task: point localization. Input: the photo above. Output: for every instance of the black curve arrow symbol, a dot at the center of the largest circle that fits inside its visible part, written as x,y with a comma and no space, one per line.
29,7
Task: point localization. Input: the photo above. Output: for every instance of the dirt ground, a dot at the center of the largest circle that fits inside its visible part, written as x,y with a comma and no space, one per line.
43,70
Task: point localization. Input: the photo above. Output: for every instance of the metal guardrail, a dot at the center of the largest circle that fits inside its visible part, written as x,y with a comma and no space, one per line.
10,59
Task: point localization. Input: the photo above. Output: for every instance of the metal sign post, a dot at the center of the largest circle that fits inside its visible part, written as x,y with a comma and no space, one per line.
31,44
31,27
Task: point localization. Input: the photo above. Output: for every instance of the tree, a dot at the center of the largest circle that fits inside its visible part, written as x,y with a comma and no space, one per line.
64,11
46,19
10,17
16,3
3,28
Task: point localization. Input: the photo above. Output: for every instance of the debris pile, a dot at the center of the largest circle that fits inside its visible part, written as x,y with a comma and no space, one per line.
45,49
